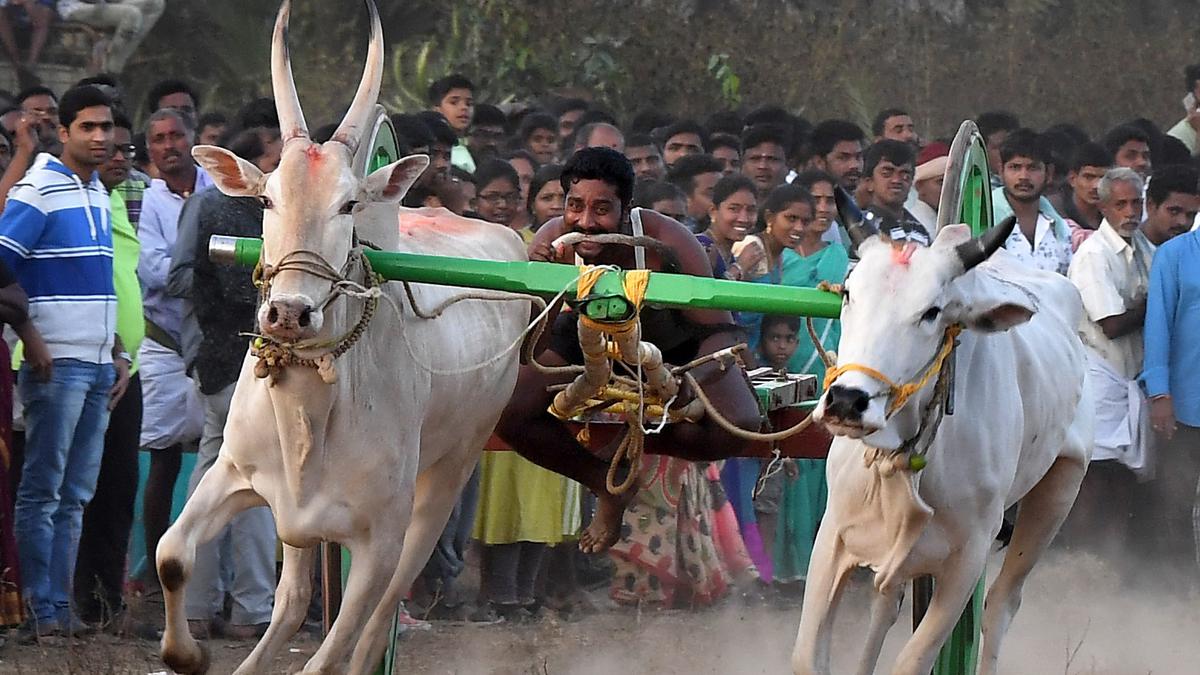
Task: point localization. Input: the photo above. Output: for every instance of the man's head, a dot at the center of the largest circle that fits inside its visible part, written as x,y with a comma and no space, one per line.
764,156
684,137
41,107
1023,162
116,170
539,135
211,128
444,139
1089,164
525,165
1172,200
837,147
85,128
1121,200
888,168
569,110
1130,148
108,84
598,184
253,146
454,97
895,124
780,337
643,153
995,126
497,191
600,135
169,138
697,176
931,170
727,149
487,131
176,95
662,197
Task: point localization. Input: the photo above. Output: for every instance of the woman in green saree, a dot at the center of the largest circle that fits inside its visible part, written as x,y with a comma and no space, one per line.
798,255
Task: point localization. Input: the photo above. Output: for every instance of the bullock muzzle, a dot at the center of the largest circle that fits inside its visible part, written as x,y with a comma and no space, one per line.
842,410
289,318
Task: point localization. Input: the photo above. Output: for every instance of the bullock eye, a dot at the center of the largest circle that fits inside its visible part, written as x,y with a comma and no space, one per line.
348,207
931,314
266,202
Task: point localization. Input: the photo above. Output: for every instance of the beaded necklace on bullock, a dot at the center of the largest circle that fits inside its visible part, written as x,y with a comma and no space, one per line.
273,355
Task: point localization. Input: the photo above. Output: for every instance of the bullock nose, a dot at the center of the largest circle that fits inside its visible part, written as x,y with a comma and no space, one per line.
288,319
847,403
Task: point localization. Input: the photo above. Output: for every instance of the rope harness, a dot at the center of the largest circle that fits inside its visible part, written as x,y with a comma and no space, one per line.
273,355
900,393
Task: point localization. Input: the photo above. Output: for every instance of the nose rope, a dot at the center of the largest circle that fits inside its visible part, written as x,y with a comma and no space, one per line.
900,393
274,356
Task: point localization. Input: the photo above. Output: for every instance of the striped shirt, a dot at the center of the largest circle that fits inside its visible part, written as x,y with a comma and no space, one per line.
56,236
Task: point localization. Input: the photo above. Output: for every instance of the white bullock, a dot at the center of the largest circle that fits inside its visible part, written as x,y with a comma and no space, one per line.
1020,433
374,452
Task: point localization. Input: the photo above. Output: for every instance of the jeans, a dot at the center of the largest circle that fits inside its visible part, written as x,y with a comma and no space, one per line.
253,541
65,420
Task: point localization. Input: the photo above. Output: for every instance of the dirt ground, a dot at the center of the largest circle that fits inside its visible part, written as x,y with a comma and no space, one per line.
1072,623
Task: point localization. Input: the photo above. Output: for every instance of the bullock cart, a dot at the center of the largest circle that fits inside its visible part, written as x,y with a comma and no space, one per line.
965,198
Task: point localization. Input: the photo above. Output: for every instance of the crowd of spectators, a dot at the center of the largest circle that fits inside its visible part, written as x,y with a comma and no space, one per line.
126,342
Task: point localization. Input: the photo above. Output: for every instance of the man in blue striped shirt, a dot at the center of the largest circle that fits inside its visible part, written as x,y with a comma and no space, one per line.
56,236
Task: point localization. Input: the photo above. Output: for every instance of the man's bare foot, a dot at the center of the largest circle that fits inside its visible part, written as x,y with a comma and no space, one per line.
605,528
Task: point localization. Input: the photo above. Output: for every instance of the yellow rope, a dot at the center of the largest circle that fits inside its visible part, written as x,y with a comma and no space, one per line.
900,393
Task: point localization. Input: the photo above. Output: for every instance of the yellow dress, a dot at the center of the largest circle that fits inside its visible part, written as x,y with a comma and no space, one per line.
521,501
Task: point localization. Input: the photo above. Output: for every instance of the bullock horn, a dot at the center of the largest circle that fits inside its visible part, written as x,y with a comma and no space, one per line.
350,132
981,248
287,103
851,218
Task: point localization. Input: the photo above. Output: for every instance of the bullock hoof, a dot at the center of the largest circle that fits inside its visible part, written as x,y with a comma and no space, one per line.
193,661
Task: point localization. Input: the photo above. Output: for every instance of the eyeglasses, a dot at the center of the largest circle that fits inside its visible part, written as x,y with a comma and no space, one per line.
498,198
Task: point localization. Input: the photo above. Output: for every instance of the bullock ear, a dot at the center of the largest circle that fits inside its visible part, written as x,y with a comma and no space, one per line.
999,318
232,175
951,236
984,302
390,183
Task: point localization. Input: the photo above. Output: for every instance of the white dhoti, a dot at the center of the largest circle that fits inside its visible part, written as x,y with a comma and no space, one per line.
1122,419
172,412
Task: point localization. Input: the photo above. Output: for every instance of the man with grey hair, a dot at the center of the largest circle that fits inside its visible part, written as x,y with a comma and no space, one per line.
602,135
172,413
1111,269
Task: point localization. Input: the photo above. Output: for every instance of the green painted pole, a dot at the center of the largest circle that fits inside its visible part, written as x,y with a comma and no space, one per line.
539,278
966,198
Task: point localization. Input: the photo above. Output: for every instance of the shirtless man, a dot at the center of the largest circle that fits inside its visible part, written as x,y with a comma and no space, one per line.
598,183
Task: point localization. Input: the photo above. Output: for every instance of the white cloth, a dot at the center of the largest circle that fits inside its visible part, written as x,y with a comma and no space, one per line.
1112,276
1046,252
1122,419
172,411
926,215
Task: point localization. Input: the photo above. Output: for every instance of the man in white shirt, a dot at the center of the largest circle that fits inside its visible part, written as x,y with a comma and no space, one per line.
1041,238
1112,272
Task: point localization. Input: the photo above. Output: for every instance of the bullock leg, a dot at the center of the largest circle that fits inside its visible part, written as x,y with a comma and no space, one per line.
884,609
373,565
437,491
1042,512
827,573
221,494
951,591
291,602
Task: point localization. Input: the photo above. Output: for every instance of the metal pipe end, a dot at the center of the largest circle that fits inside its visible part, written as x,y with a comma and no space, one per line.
222,250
